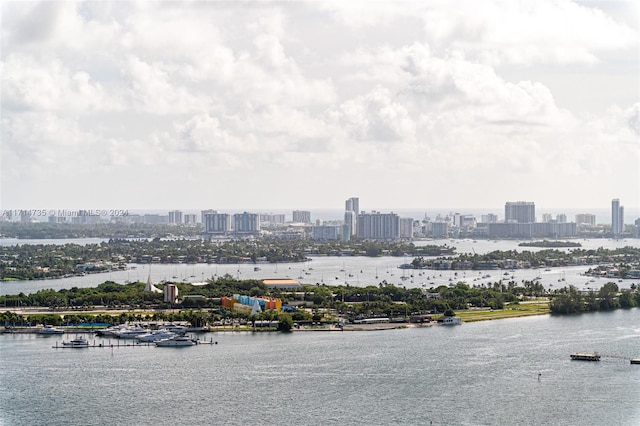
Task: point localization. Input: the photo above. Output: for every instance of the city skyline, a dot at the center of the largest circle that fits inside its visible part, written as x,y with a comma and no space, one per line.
272,105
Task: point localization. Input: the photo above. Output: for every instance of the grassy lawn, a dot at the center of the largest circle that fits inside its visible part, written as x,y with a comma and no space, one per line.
510,311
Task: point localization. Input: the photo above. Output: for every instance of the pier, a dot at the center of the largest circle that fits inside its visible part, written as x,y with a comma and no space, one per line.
117,343
579,356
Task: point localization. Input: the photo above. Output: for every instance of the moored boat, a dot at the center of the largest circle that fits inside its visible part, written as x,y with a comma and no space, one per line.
78,342
48,330
176,341
155,336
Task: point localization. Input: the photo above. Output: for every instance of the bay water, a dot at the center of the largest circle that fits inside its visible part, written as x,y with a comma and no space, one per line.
504,372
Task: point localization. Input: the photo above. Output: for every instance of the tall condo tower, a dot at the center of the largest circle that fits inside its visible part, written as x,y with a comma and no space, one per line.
520,212
617,217
352,205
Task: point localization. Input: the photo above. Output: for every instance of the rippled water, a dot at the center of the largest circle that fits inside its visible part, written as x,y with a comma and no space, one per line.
356,271
476,374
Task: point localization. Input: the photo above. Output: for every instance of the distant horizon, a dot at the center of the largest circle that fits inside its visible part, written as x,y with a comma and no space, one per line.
603,214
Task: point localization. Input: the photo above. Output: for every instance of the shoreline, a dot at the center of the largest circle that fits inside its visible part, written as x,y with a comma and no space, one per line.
466,316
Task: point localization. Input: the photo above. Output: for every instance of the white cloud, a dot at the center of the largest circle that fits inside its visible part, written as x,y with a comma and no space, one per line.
346,95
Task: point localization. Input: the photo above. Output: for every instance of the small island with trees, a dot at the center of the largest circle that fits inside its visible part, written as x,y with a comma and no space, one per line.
550,244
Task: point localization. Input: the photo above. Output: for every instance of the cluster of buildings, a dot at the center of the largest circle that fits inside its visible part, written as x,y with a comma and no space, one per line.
519,222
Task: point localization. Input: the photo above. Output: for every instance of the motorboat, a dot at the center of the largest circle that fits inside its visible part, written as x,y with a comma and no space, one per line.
48,330
130,332
155,336
78,342
176,341
177,329
111,331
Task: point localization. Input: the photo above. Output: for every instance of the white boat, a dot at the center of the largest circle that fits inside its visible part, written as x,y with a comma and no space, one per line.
451,321
130,332
78,342
155,336
48,330
177,329
111,331
176,341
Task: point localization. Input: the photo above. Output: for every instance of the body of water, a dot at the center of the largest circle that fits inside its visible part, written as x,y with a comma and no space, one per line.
356,271
504,372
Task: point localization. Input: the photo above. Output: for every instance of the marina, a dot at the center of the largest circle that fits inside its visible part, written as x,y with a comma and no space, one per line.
117,343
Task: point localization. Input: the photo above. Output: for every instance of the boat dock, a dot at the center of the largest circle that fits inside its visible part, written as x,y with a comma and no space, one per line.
580,356
585,357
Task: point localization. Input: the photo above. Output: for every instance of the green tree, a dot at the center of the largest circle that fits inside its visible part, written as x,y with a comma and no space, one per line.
285,323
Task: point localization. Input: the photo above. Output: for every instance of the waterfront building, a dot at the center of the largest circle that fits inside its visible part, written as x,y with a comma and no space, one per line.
520,212
325,233
440,229
301,216
217,223
175,217
531,230
246,224
617,217
378,226
586,219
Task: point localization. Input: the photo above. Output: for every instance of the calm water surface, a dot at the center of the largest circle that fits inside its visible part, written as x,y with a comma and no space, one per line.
356,271
476,374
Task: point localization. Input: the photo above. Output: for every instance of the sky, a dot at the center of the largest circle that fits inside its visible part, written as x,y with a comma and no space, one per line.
269,105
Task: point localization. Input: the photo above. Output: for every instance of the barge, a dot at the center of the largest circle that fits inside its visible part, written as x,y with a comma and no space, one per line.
585,357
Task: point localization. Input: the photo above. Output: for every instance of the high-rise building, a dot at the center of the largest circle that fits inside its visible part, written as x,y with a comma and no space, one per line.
586,219
326,233
301,216
190,219
204,212
352,204
217,223
175,217
440,229
561,218
617,217
406,228
378,226
350,220
246,223
519,212
489,218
